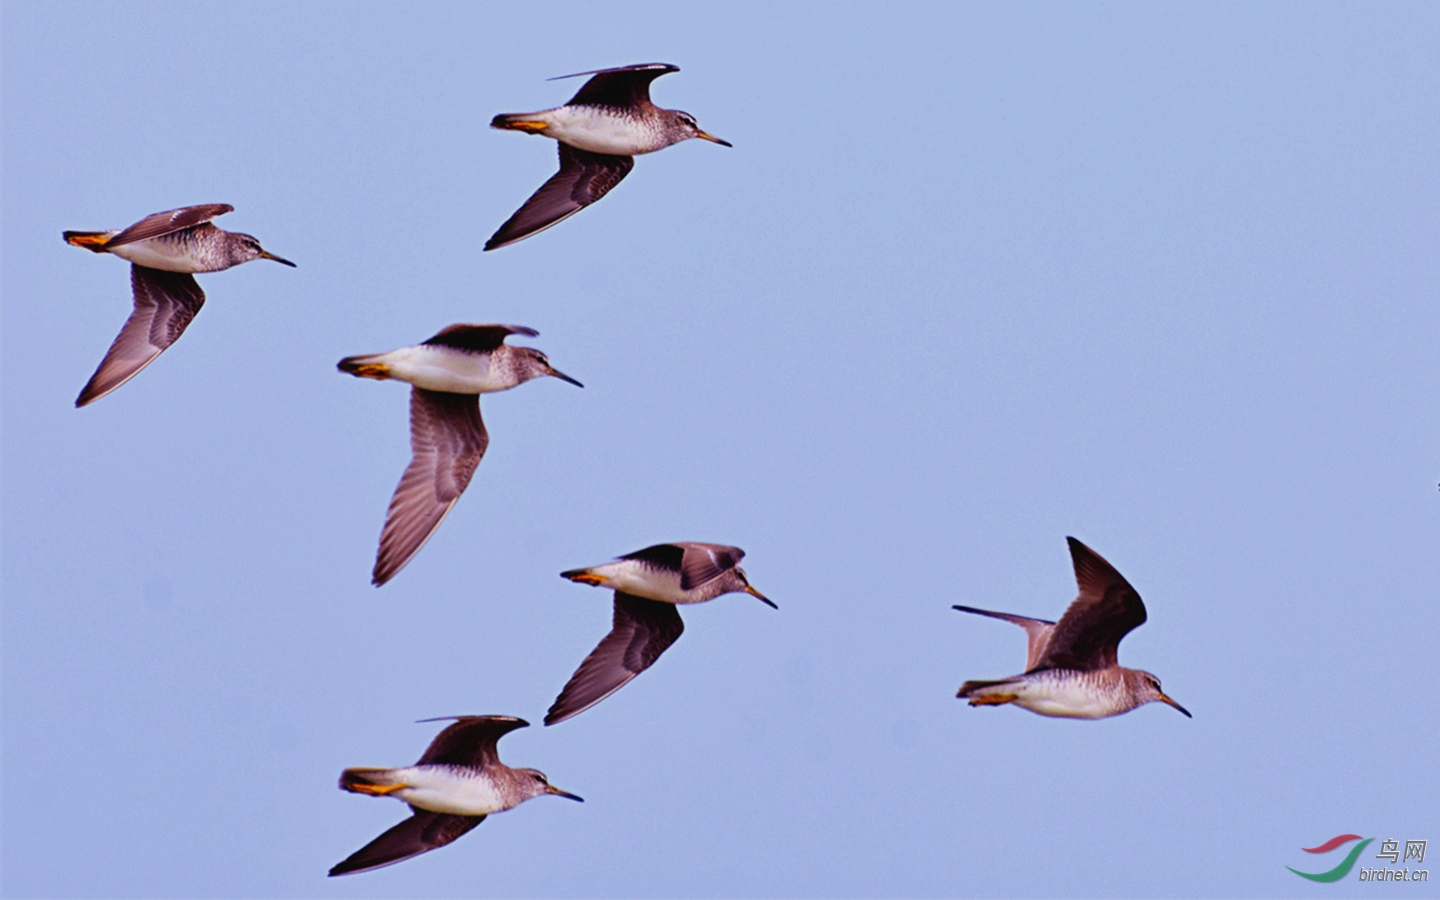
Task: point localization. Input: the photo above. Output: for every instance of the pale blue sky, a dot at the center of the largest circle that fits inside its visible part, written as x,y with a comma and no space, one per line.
973,278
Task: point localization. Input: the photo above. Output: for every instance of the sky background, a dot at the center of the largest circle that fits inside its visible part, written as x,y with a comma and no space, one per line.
973,278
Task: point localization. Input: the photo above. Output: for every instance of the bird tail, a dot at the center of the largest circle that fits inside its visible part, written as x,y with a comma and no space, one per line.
584,576
529,122
365,366
376,782
971,690
93,241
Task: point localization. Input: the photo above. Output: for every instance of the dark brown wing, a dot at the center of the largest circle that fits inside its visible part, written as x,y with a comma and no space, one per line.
642,630
470,741
703,562
171,220
447,441
665,557
583,178
1037,632
421,832
621,87
1107,609
165,302
478,338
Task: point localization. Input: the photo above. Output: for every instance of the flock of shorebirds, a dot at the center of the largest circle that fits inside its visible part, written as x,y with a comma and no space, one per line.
1071,669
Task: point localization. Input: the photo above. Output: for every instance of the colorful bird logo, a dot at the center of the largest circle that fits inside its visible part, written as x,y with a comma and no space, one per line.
1346,864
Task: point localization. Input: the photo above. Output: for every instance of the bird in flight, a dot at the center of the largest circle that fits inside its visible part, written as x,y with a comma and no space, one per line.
448,372
165,250
601,130
1071,666
455,785
648,584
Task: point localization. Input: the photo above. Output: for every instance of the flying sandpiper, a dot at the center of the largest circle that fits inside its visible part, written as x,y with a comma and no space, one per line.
648,584
165,250
601,130
448,372
455,785
1071,667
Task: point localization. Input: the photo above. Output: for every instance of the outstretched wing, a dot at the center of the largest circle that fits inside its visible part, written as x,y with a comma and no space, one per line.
447,441
583,178
167,222
422,832
477,338
165,302
1088,636
470,741
620,87
642,630
1037,632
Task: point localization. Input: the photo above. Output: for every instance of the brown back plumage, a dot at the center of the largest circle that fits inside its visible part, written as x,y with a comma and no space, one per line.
621,87
470,741
168,222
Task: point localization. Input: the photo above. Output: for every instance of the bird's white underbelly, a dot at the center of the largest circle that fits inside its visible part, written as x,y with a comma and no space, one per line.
437,369
1065,698
440,790
632,578
168,256
599,131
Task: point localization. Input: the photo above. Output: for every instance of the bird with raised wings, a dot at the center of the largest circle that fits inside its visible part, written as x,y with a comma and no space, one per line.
1071,666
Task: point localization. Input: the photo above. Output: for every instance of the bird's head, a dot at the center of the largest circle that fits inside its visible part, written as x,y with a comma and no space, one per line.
1149,691
738,581
690,129
534,364
245,248
533,783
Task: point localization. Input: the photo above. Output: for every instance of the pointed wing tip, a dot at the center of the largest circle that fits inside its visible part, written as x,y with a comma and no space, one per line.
565,706
387,566
637,67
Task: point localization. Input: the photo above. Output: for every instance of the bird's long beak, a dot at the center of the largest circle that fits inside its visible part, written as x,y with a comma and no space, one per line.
761,597
584,576
1165,699
563,377
711,137
265,254
552,789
